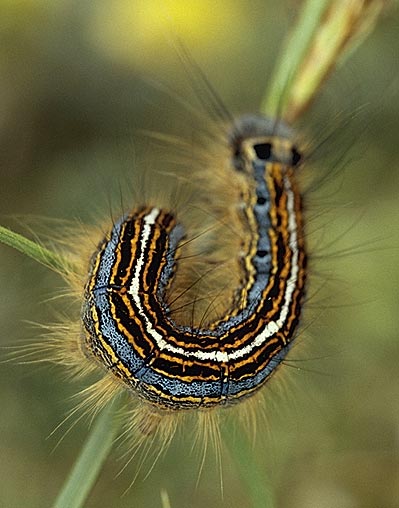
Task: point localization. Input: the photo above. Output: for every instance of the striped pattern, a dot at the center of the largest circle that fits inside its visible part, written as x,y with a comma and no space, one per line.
127,320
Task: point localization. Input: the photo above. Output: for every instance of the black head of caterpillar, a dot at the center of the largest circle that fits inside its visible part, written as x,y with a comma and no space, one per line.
259,129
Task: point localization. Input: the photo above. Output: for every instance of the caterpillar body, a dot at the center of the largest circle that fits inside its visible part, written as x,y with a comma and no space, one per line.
128,326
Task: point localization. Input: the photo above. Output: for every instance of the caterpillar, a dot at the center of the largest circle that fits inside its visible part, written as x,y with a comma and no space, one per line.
126,314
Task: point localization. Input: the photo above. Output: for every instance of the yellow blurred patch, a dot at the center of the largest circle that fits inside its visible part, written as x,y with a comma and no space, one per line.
130,31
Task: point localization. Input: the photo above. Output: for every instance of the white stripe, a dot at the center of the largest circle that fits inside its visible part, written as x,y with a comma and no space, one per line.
270,329
274,326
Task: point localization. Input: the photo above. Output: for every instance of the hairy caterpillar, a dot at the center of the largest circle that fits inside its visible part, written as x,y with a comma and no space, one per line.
126,315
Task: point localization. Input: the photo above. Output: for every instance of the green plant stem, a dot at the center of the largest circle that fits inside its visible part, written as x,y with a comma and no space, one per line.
260,489
292,56
89,463
327,31
34,250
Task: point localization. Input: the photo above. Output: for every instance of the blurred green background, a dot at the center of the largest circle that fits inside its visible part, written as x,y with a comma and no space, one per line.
78,81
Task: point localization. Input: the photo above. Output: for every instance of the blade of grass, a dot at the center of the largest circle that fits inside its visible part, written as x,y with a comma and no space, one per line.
345,25
90,461
34,250
260,490
293,53
325,33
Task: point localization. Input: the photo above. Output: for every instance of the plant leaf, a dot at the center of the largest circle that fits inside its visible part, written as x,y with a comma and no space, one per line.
35,251
90,460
